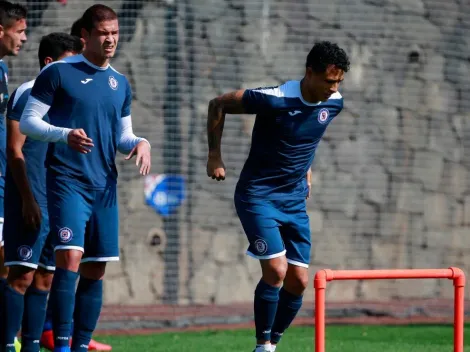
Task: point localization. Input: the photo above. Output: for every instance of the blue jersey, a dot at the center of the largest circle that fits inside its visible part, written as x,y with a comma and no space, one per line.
82,95
34,151
3,133
285,137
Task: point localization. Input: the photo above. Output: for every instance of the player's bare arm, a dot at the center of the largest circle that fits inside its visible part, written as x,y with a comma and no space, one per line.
309,181
143,159
15,158
229,103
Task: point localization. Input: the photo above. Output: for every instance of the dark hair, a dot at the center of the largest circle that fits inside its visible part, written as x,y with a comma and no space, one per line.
76,29
326,53
55,45
95,14
10,12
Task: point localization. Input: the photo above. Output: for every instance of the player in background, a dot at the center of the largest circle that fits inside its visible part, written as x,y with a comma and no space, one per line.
89,108
12,38
270,196
47,337
28,252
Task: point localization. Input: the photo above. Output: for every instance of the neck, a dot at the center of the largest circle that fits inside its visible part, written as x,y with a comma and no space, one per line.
306,95
95,60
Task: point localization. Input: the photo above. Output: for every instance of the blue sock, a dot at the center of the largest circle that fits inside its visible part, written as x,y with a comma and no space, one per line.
266,298
35,302
62,301
48,320
88,304
3,283
288,307
13,307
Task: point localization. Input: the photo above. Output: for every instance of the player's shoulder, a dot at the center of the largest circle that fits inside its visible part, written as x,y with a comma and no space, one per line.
23,90
289,89
336,99
118,75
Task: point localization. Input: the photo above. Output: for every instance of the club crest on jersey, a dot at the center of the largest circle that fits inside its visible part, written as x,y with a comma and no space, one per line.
113,83
25,252
323,115
261,246
65,234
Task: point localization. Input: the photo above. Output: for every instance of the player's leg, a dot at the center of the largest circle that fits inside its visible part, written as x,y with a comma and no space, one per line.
261,224
22,252
296,236
36,296
101,246
69,210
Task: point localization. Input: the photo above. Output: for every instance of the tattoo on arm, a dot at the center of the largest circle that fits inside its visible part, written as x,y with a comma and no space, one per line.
230,103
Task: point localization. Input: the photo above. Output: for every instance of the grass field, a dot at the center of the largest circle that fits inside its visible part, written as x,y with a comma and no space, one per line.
415,338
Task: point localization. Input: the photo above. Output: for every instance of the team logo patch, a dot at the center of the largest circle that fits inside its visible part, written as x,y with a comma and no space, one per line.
25,252
261,246
65,234
113,83
323,115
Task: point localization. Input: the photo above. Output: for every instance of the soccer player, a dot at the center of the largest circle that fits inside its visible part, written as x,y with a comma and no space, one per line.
89,108
12,37
270,196
47,337
28,252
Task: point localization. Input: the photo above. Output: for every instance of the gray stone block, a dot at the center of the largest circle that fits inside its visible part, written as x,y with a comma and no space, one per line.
428,168
410,197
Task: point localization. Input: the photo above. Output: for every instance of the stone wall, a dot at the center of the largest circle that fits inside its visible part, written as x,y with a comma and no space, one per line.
391,185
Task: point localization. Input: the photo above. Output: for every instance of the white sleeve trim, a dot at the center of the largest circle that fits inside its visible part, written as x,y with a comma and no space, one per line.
33,125
128,139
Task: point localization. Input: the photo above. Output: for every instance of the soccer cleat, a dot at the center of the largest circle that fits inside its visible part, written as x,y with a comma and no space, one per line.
47,341
263,348
98,346
17,345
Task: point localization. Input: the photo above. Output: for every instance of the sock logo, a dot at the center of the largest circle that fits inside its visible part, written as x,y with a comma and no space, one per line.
65,234
261,246
25,252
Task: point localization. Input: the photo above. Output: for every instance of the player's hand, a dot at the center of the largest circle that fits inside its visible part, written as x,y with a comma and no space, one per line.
79,141
216,168
309,182
142,153
31,215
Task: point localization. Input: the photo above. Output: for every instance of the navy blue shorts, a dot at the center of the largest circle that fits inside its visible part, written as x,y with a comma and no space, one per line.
26,247
83,219
275,228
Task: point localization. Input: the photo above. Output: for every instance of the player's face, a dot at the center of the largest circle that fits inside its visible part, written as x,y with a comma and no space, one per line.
324,84
13,37
103,39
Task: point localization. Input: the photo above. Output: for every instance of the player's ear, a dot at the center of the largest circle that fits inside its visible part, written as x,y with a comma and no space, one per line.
85,35
48,60
2,31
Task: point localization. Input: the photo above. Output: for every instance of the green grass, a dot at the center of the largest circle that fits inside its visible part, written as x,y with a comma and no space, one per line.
415,338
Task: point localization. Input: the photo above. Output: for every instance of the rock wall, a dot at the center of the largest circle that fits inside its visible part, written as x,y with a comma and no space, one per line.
391,185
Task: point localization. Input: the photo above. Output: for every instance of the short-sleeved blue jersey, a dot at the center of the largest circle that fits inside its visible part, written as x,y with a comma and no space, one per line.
3,131
83,95
34,151
285,137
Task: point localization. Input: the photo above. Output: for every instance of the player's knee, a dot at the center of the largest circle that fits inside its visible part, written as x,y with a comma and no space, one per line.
68,259
274,271
20,278
296,280
43,279
93,270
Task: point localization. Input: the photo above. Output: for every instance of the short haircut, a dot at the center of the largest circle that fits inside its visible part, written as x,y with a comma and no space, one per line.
76,29
10,12
324,54
96,14
54,45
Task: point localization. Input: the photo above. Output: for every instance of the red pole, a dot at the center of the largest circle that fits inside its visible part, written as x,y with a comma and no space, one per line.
459,303
319,284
